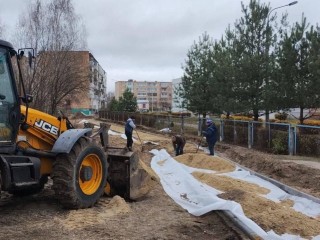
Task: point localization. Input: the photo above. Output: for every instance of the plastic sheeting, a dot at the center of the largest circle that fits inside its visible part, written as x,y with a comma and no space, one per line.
122,135
198,198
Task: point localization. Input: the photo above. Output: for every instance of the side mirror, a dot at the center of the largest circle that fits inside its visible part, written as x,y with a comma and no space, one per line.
30,54
27,99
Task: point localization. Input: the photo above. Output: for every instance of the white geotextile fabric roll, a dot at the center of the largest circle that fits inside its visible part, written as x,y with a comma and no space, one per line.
198,198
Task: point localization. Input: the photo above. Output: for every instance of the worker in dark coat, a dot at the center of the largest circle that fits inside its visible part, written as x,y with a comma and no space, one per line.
178,143
211,134
128,129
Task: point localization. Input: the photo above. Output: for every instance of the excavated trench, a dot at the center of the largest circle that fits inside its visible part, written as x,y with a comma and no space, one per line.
298,180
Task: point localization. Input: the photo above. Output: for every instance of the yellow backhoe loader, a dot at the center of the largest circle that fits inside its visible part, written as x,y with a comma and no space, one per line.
35,146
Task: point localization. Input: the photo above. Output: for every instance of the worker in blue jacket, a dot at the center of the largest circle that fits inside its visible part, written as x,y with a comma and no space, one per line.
128,129
211,134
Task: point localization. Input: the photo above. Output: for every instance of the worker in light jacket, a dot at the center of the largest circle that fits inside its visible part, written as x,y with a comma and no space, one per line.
128,129
211,135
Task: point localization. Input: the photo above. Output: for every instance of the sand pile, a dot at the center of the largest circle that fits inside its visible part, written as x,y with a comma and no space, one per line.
279,217
204,161
224,183
99,214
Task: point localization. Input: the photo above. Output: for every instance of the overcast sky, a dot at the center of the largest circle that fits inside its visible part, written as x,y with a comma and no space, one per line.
148,40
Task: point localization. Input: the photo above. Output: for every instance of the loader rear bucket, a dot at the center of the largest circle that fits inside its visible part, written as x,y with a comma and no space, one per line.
126,176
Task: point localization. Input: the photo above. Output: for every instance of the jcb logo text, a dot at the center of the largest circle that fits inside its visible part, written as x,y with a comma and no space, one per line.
47,127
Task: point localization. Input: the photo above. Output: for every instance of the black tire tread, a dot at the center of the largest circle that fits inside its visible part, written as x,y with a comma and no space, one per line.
63,177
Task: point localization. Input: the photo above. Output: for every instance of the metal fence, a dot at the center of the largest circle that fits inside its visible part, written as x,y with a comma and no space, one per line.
264,136
307,140
278,138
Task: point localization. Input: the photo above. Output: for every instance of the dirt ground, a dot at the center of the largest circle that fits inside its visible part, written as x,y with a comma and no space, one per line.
156,216
297,172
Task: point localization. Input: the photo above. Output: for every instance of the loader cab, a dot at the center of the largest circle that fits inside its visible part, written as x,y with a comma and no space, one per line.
9,100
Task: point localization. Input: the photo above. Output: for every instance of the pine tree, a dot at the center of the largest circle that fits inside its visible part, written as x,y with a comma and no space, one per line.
128,102
250,45
299,59
197,87
113,105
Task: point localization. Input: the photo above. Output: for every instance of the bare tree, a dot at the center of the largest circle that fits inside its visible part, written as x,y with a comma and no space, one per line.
56,33
61,77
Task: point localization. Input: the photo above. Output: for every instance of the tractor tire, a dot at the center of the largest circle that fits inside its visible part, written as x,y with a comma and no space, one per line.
79,177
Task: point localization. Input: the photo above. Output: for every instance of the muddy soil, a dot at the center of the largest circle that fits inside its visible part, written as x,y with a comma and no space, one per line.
300,174
156,216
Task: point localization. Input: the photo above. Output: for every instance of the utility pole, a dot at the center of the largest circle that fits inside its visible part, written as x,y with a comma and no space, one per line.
268,58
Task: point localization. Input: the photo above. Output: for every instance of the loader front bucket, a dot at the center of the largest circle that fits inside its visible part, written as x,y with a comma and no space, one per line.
126,176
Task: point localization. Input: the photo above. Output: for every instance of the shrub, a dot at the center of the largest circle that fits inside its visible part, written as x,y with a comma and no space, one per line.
308,145
245,114
236,134
279,142
312,123
280,121
280,127
237,117
229,133
241,137
241,118
306,130
179,114
261,138
281,116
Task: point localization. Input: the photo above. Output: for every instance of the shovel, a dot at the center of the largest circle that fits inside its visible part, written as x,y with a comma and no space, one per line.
199,144
139,140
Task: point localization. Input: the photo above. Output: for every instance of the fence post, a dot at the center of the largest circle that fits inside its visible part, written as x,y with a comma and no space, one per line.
250,135
295,141
199,125
157,121
291,140
182,124
269,135
221,130
234,132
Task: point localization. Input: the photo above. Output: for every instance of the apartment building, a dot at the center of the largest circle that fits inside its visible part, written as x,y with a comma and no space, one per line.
98,85
66,69
152,96
96,95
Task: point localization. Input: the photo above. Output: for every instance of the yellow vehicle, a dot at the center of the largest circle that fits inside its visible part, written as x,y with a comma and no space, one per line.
35,146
